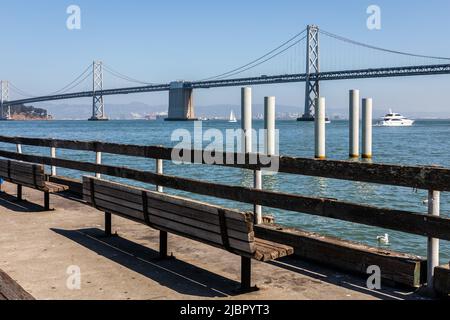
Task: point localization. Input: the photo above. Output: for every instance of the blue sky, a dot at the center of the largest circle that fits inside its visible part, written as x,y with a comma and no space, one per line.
162,41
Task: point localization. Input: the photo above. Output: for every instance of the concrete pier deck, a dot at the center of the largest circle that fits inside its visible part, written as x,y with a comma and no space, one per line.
37,248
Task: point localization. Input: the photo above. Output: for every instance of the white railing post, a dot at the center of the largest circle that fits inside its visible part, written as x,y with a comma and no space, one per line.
98,160
320,131
258,185
19,148
53,155
159,170
434,198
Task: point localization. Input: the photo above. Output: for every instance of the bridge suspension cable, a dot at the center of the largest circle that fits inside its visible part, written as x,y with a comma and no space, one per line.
266,57
122,76
20,92
329,34
76,82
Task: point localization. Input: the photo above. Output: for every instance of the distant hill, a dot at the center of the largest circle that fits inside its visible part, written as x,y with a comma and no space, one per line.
137,110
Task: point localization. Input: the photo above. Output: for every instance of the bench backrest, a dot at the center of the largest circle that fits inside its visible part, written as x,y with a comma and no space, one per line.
23,173
225,228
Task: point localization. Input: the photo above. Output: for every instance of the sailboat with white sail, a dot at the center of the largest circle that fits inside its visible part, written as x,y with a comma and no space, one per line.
232,117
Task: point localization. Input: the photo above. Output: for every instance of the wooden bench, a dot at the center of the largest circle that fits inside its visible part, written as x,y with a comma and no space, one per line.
226,229
29,175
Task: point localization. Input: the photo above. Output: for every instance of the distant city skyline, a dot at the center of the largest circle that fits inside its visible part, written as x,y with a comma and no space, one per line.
154,42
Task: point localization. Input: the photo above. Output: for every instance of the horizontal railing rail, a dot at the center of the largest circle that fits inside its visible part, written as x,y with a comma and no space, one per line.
418,177
404,221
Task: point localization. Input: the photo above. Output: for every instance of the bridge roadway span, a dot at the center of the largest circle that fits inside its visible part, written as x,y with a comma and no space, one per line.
323,76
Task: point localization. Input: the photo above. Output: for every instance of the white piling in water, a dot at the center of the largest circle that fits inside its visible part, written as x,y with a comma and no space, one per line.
269,125
320,131
246,119
433,244
367,110
354,124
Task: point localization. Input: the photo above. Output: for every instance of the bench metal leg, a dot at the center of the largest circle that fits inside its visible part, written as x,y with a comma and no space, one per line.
19,193
246,276
163,244
108,224
46,201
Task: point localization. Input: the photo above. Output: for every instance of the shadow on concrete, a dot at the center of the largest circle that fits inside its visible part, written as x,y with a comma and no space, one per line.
10,202
174,274
345,280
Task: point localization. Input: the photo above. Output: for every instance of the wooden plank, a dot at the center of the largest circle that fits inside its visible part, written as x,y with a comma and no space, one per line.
24,177
348,256
75,186
203,225
183,202
268,250
200,234
192,214
442,280
115,205
22,182
116,208
424,177
405,221
54,187
10,290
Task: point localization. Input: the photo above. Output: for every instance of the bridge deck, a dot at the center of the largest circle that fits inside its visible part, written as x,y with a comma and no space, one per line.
38,247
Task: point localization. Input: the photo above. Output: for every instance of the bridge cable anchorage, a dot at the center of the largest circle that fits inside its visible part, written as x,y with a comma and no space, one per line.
329,34
122,76
235,71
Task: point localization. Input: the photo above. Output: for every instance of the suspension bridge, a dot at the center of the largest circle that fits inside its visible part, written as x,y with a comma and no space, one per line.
345,59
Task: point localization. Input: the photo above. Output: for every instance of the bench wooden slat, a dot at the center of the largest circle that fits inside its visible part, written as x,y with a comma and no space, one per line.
184,217
54,187
442,280
200,234
232,214
138,214
188,213
268,250
22,181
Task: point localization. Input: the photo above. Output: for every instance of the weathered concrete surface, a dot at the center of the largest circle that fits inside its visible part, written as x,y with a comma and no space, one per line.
36,248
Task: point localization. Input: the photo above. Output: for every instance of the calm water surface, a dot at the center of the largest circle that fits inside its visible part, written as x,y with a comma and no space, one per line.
426,143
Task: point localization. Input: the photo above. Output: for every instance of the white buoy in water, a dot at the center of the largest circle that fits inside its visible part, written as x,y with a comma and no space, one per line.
383,239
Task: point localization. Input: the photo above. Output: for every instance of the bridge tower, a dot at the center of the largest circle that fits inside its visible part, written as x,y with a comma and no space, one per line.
98,106
312,67
181,102
5,110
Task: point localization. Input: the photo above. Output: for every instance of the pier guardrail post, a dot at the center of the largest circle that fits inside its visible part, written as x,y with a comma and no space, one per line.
367,110
258,185
159,170
434,198
53,155
19,187
98,160
354,119
320,131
